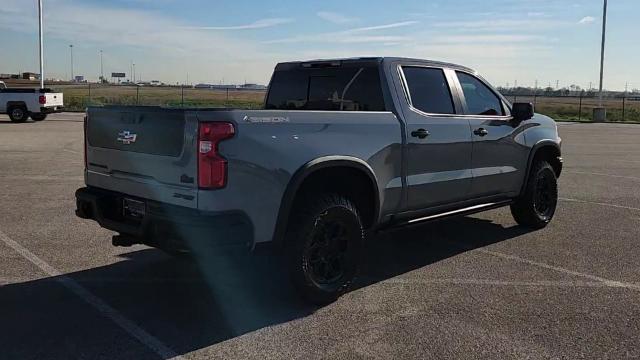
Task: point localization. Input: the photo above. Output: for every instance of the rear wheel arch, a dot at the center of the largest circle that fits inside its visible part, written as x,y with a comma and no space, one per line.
357,181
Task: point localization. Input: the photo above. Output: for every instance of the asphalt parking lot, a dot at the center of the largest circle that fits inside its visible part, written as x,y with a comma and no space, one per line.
473,287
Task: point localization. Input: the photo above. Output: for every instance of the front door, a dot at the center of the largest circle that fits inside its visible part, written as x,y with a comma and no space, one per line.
499,160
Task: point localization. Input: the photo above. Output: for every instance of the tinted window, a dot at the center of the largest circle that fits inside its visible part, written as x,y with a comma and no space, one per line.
344,88
429,90
480,99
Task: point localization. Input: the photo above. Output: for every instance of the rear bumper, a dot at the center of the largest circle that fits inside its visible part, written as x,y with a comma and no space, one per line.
164,223
51,110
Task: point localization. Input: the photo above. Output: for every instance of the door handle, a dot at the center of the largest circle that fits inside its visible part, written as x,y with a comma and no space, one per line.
481,132
420,133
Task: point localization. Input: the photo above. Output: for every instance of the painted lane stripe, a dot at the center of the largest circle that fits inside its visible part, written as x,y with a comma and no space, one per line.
607,282
603,174
127,325
599,203
490,282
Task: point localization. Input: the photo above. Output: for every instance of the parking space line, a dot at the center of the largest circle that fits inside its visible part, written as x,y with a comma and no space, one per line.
603,174
599,203
530,283
127,325
607,282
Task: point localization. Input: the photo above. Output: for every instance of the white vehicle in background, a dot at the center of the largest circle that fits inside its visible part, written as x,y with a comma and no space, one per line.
20,104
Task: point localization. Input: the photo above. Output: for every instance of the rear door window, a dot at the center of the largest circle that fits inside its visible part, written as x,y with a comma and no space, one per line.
429,90
481,100
338,89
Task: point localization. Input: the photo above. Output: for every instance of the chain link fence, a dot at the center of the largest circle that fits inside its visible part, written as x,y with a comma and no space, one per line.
78,96
622,108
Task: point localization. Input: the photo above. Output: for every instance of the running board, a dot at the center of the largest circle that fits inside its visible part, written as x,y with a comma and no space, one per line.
460,212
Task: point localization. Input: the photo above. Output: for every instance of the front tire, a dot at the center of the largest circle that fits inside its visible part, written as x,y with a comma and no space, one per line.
18,114
324,247
537,206
38,116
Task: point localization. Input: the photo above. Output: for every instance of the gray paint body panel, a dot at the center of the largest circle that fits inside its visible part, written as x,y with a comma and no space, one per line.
270,146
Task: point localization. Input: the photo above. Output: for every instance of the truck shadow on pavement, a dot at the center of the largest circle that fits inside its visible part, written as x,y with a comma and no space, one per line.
192,304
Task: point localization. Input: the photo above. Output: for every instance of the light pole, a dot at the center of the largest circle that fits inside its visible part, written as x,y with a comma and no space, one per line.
600,113
101,68
40,31
604,37
71,50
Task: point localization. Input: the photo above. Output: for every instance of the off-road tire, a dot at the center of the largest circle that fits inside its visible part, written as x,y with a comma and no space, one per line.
537,205
324,246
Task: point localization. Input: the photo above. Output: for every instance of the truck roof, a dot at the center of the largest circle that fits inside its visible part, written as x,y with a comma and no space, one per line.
372,60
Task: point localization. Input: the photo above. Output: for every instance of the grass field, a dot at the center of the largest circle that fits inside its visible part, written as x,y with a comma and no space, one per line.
77,97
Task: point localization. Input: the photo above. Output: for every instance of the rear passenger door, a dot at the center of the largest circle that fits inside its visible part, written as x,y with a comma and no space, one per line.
498,158
438,139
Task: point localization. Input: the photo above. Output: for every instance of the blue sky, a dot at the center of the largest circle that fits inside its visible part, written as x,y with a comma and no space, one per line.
236,41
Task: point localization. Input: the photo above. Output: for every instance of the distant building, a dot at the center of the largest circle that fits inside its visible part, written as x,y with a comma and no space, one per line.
30,76
231,87
253,87
79,78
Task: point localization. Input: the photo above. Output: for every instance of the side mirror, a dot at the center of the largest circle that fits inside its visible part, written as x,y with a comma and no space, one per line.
522,111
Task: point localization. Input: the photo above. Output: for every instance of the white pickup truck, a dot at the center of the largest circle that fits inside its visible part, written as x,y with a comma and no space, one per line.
20,104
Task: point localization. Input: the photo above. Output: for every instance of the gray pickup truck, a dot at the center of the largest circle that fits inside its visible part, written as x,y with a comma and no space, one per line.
343,148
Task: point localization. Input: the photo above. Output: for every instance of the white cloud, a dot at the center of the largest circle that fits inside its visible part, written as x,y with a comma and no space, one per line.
502,24
336,18
383,27
258,24
162,45
587,20
350,36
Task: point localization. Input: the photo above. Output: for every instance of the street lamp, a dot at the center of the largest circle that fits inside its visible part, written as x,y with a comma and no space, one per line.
40,31
101,68
71,50
600,113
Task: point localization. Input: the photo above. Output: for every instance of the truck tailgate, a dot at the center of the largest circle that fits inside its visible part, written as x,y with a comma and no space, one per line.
53,99
144,152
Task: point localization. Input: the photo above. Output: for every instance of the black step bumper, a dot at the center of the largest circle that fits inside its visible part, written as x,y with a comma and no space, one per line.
165,224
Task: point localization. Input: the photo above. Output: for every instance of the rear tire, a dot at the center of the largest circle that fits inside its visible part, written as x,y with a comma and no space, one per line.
324,247
537,206
18,114
38,116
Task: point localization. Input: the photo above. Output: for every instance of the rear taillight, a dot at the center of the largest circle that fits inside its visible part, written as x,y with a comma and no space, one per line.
42,99
212,167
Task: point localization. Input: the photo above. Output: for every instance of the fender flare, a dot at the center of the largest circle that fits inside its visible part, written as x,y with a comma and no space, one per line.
286,204
534,150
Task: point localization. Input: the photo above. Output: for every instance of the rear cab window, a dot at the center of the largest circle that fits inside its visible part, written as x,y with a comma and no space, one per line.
429,90
350,87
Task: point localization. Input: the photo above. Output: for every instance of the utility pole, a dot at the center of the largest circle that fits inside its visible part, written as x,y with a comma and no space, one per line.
40,30
604,37
71,50
134,72
101,68
557,84
600,112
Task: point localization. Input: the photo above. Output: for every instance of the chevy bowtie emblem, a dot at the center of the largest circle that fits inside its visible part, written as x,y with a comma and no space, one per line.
126,137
